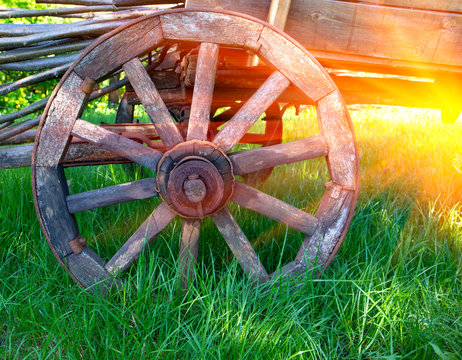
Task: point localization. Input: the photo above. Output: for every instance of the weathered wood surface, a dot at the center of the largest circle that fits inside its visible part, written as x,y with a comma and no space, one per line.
131,250
66,107
135,190
299,67
143,35
249,113
152,102
333,213
239,245
51,191
213,28
87,268
19,128
117,144
203,92
365,29
78,154
336,127
273,208
35,51
278,12
266,157
189,247
445,5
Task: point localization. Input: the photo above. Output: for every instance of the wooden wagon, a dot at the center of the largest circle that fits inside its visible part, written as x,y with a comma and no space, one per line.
183,65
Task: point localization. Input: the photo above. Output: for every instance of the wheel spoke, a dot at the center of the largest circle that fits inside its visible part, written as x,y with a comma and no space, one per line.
250,112
189,247
152,102
135,190
248,161
203,91
131,250
273,208
117,144
239,245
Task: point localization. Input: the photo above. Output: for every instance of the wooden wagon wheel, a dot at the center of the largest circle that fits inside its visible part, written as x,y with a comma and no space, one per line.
195,177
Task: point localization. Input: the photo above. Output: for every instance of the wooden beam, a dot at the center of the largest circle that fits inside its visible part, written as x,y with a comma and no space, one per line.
364,29
447,5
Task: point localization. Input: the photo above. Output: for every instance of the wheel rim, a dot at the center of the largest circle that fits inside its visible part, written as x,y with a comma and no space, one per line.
293,66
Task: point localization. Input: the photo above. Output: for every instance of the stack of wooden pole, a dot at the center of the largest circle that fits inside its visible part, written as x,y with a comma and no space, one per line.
41,52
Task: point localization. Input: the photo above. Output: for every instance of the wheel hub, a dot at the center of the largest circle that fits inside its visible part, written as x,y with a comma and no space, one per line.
195,179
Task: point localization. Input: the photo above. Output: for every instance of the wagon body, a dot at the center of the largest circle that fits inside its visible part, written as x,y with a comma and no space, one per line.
415,44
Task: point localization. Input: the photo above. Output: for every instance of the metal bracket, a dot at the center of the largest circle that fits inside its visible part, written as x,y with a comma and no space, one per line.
78,244
88,86
334,190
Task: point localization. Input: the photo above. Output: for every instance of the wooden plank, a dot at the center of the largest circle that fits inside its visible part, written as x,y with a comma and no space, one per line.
135,190
131,250
117,144
15,156
58,224
88,270
190,232
239,245
209,27
273,208
295,63
116,49
249,113
248,161
278,12
203,92
152,102
20,156
67,105
365,29
335,125
446,6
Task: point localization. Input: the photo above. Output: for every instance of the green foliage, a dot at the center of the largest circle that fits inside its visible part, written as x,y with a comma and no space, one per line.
23,97
31,4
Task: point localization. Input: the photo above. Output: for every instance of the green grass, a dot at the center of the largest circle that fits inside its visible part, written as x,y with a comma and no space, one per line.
393,291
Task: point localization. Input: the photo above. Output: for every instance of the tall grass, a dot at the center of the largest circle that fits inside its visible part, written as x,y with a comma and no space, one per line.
392,292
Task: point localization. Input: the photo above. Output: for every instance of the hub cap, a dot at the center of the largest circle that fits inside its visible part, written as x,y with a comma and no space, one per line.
195,179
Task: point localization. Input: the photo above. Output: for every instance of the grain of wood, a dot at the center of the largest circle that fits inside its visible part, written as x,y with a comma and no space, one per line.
135,190
66,107
51,192
360,28
250,112
336,127
239,245
203,92
333,214
266,157
448,5
273,208
295,63
117,144
88,268
189,248
152,102
131,250
223,29
119,48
